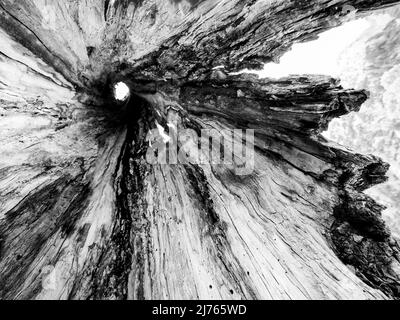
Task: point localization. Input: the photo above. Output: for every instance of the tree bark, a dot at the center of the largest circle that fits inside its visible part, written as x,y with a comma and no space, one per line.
84,215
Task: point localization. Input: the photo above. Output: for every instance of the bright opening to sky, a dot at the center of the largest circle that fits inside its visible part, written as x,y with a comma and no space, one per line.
321,56
121,91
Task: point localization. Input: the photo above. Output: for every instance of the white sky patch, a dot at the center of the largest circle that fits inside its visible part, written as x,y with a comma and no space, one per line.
121,91
321,56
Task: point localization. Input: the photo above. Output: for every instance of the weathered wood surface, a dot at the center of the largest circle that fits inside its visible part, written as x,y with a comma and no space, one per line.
84,215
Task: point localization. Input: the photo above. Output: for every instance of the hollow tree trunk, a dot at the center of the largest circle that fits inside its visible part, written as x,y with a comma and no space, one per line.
84,214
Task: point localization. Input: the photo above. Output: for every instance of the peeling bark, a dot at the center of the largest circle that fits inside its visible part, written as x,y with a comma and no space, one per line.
84,215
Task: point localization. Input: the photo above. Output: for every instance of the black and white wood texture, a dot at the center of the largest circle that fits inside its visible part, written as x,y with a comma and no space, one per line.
83,215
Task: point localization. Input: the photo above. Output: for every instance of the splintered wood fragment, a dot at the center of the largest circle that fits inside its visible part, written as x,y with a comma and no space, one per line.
84,214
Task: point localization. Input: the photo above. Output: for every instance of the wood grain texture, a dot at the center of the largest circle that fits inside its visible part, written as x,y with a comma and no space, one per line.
84,215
